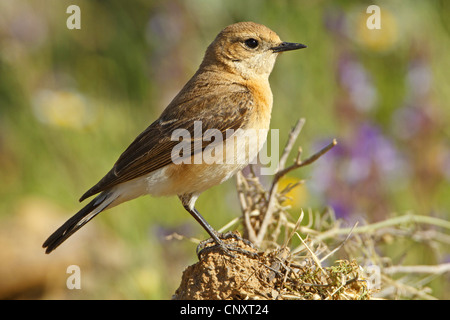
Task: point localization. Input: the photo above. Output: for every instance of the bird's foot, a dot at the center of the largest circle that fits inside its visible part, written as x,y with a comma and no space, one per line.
227,242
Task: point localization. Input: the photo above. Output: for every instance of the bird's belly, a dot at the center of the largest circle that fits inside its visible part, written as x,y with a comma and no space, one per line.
217,163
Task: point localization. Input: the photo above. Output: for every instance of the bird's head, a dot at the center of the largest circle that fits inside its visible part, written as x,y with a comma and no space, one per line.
248,49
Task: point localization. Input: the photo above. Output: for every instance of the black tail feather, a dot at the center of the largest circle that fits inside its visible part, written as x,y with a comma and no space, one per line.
73,224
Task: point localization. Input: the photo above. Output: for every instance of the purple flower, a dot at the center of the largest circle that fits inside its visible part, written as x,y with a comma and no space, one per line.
357,81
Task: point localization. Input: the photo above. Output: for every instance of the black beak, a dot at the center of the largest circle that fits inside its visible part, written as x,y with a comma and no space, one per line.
287,46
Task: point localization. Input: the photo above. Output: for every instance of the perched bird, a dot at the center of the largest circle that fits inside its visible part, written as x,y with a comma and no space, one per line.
229,91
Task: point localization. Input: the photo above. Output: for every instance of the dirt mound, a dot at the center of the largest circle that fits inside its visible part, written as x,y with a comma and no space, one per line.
270,275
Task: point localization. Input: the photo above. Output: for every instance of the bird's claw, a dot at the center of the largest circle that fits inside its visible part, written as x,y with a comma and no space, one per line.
205,247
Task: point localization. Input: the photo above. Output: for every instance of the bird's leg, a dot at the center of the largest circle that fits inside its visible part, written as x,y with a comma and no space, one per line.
213,233
216,237
188,201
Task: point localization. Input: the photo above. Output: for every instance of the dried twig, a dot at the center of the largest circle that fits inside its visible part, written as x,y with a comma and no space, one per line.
408,218
253,197
340,246
282,172
299,163
436,269
265,217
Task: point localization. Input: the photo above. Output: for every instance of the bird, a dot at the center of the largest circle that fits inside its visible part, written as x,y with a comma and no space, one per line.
229,91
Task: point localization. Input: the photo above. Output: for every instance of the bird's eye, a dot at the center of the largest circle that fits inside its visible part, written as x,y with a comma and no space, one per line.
251,43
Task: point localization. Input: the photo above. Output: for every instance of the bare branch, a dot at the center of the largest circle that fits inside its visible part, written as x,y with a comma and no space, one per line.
290,143
436,269
298,163
282,172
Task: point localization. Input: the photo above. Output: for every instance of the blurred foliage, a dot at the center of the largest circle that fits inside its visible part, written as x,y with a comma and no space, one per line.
72,100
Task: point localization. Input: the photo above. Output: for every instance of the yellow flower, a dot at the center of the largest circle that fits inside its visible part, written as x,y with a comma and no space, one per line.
297,196
62,109
378,40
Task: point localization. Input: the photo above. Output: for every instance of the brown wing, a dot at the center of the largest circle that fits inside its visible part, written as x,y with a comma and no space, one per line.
152,149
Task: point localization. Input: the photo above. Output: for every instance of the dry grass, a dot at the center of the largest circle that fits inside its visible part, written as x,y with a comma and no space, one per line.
294,259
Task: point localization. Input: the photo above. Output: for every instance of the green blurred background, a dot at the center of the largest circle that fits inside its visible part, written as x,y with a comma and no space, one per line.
72,100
